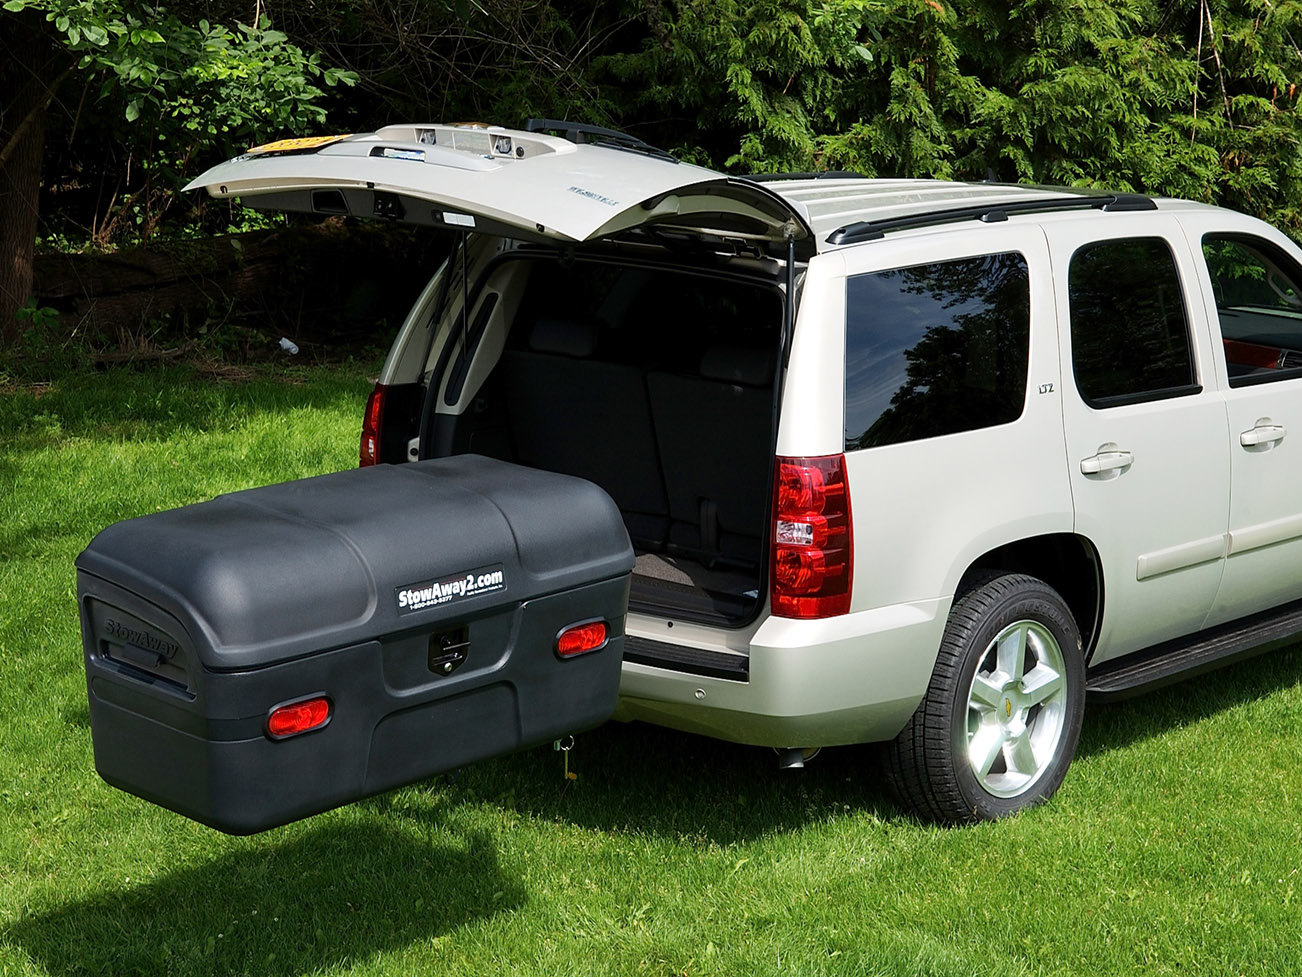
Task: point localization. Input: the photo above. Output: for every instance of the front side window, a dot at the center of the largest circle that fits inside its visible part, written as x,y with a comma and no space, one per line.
1258,292
1129,330
936,349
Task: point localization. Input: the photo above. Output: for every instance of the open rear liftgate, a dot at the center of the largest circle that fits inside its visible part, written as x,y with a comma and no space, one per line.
281,651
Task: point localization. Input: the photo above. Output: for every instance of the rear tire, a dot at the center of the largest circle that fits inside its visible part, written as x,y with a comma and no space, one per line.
998,725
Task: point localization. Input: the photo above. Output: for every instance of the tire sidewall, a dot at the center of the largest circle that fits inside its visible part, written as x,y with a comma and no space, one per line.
1034,601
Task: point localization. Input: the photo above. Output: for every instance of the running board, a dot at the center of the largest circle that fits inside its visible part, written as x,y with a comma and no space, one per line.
679,658
1175,661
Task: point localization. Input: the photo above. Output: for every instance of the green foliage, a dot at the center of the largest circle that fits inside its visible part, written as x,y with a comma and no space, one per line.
458,60
184,91
219,82
1192,98
43,347
772,73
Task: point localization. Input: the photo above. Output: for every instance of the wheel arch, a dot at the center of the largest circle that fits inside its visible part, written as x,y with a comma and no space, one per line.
1067,562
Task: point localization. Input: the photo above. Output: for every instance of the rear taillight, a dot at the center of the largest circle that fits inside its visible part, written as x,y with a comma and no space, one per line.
812,552
298,717
370,450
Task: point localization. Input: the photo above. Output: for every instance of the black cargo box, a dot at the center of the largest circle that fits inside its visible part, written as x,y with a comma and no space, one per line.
414,611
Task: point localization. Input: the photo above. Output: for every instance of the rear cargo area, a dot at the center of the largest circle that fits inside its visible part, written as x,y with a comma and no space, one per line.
656,384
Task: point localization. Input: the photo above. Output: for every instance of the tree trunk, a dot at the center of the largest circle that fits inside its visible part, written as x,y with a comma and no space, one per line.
27,60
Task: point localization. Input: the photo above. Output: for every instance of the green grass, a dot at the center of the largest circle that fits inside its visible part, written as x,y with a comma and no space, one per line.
1174,847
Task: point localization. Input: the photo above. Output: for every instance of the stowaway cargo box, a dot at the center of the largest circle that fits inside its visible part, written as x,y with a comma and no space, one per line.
280,651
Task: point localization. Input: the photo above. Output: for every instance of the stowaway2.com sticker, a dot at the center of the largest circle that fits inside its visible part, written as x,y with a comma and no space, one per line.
432,593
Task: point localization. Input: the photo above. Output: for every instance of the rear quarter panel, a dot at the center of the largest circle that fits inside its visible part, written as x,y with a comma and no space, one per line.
924,510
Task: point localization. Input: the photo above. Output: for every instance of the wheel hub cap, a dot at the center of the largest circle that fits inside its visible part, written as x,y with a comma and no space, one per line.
1016,709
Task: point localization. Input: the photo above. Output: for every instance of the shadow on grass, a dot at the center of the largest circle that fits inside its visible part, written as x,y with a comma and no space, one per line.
1111,726
329,899
27,540
160,402
663,783
75,711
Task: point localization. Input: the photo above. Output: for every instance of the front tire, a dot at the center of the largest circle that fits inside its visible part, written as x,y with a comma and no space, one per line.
998,725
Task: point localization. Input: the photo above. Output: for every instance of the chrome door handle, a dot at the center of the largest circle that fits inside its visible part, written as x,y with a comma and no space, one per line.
1110,458
1264,433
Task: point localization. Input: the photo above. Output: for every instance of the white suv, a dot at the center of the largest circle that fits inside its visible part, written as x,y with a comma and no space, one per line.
910,462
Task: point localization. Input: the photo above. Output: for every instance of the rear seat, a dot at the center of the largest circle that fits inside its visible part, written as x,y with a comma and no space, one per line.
567,412
713,432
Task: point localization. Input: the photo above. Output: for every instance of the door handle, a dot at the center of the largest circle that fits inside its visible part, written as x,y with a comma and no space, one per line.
1263,434
1110,458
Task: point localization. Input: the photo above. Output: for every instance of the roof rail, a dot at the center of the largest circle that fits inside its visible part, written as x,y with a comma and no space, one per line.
583,133
990,213
819,175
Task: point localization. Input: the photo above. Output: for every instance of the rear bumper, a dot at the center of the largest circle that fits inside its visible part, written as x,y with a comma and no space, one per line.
850,679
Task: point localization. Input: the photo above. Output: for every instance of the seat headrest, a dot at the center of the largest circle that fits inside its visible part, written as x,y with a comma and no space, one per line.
743,365
564,337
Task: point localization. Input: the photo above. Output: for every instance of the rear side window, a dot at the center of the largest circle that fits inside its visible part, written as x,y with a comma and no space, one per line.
1129,331
936,349
1258,293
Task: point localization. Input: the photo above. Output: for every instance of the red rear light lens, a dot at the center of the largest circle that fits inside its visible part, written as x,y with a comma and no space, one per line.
801,487
371,420
581,638
800,569
298,717
812,538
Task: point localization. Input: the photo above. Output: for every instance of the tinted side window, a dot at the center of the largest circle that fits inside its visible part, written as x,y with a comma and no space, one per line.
936,349
1258,293
1129,331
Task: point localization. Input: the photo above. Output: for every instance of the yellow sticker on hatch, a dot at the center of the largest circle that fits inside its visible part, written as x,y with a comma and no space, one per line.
296,145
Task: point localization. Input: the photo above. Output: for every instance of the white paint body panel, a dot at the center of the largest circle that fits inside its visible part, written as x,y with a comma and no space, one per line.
848,679
813,395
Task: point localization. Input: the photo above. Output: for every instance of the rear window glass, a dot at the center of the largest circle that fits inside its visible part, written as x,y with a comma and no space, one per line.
936,349
650,317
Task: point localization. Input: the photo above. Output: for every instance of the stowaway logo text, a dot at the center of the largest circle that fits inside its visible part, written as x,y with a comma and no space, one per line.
432,593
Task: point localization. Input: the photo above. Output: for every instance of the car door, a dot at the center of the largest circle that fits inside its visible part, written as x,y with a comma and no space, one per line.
1251,284
1145,424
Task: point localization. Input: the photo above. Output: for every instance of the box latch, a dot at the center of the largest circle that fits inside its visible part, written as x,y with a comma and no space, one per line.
448,649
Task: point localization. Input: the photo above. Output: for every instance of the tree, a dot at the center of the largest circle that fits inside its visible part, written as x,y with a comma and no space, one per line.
498,61
29,70
181,88
1191,98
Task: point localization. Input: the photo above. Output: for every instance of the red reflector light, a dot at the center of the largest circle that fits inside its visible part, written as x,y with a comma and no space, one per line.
812,531
369,453
580,638
298,717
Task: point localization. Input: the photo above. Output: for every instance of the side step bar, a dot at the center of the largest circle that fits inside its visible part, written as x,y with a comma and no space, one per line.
694,661
1175,661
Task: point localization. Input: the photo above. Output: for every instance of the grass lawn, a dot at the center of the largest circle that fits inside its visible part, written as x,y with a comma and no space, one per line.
1173,848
